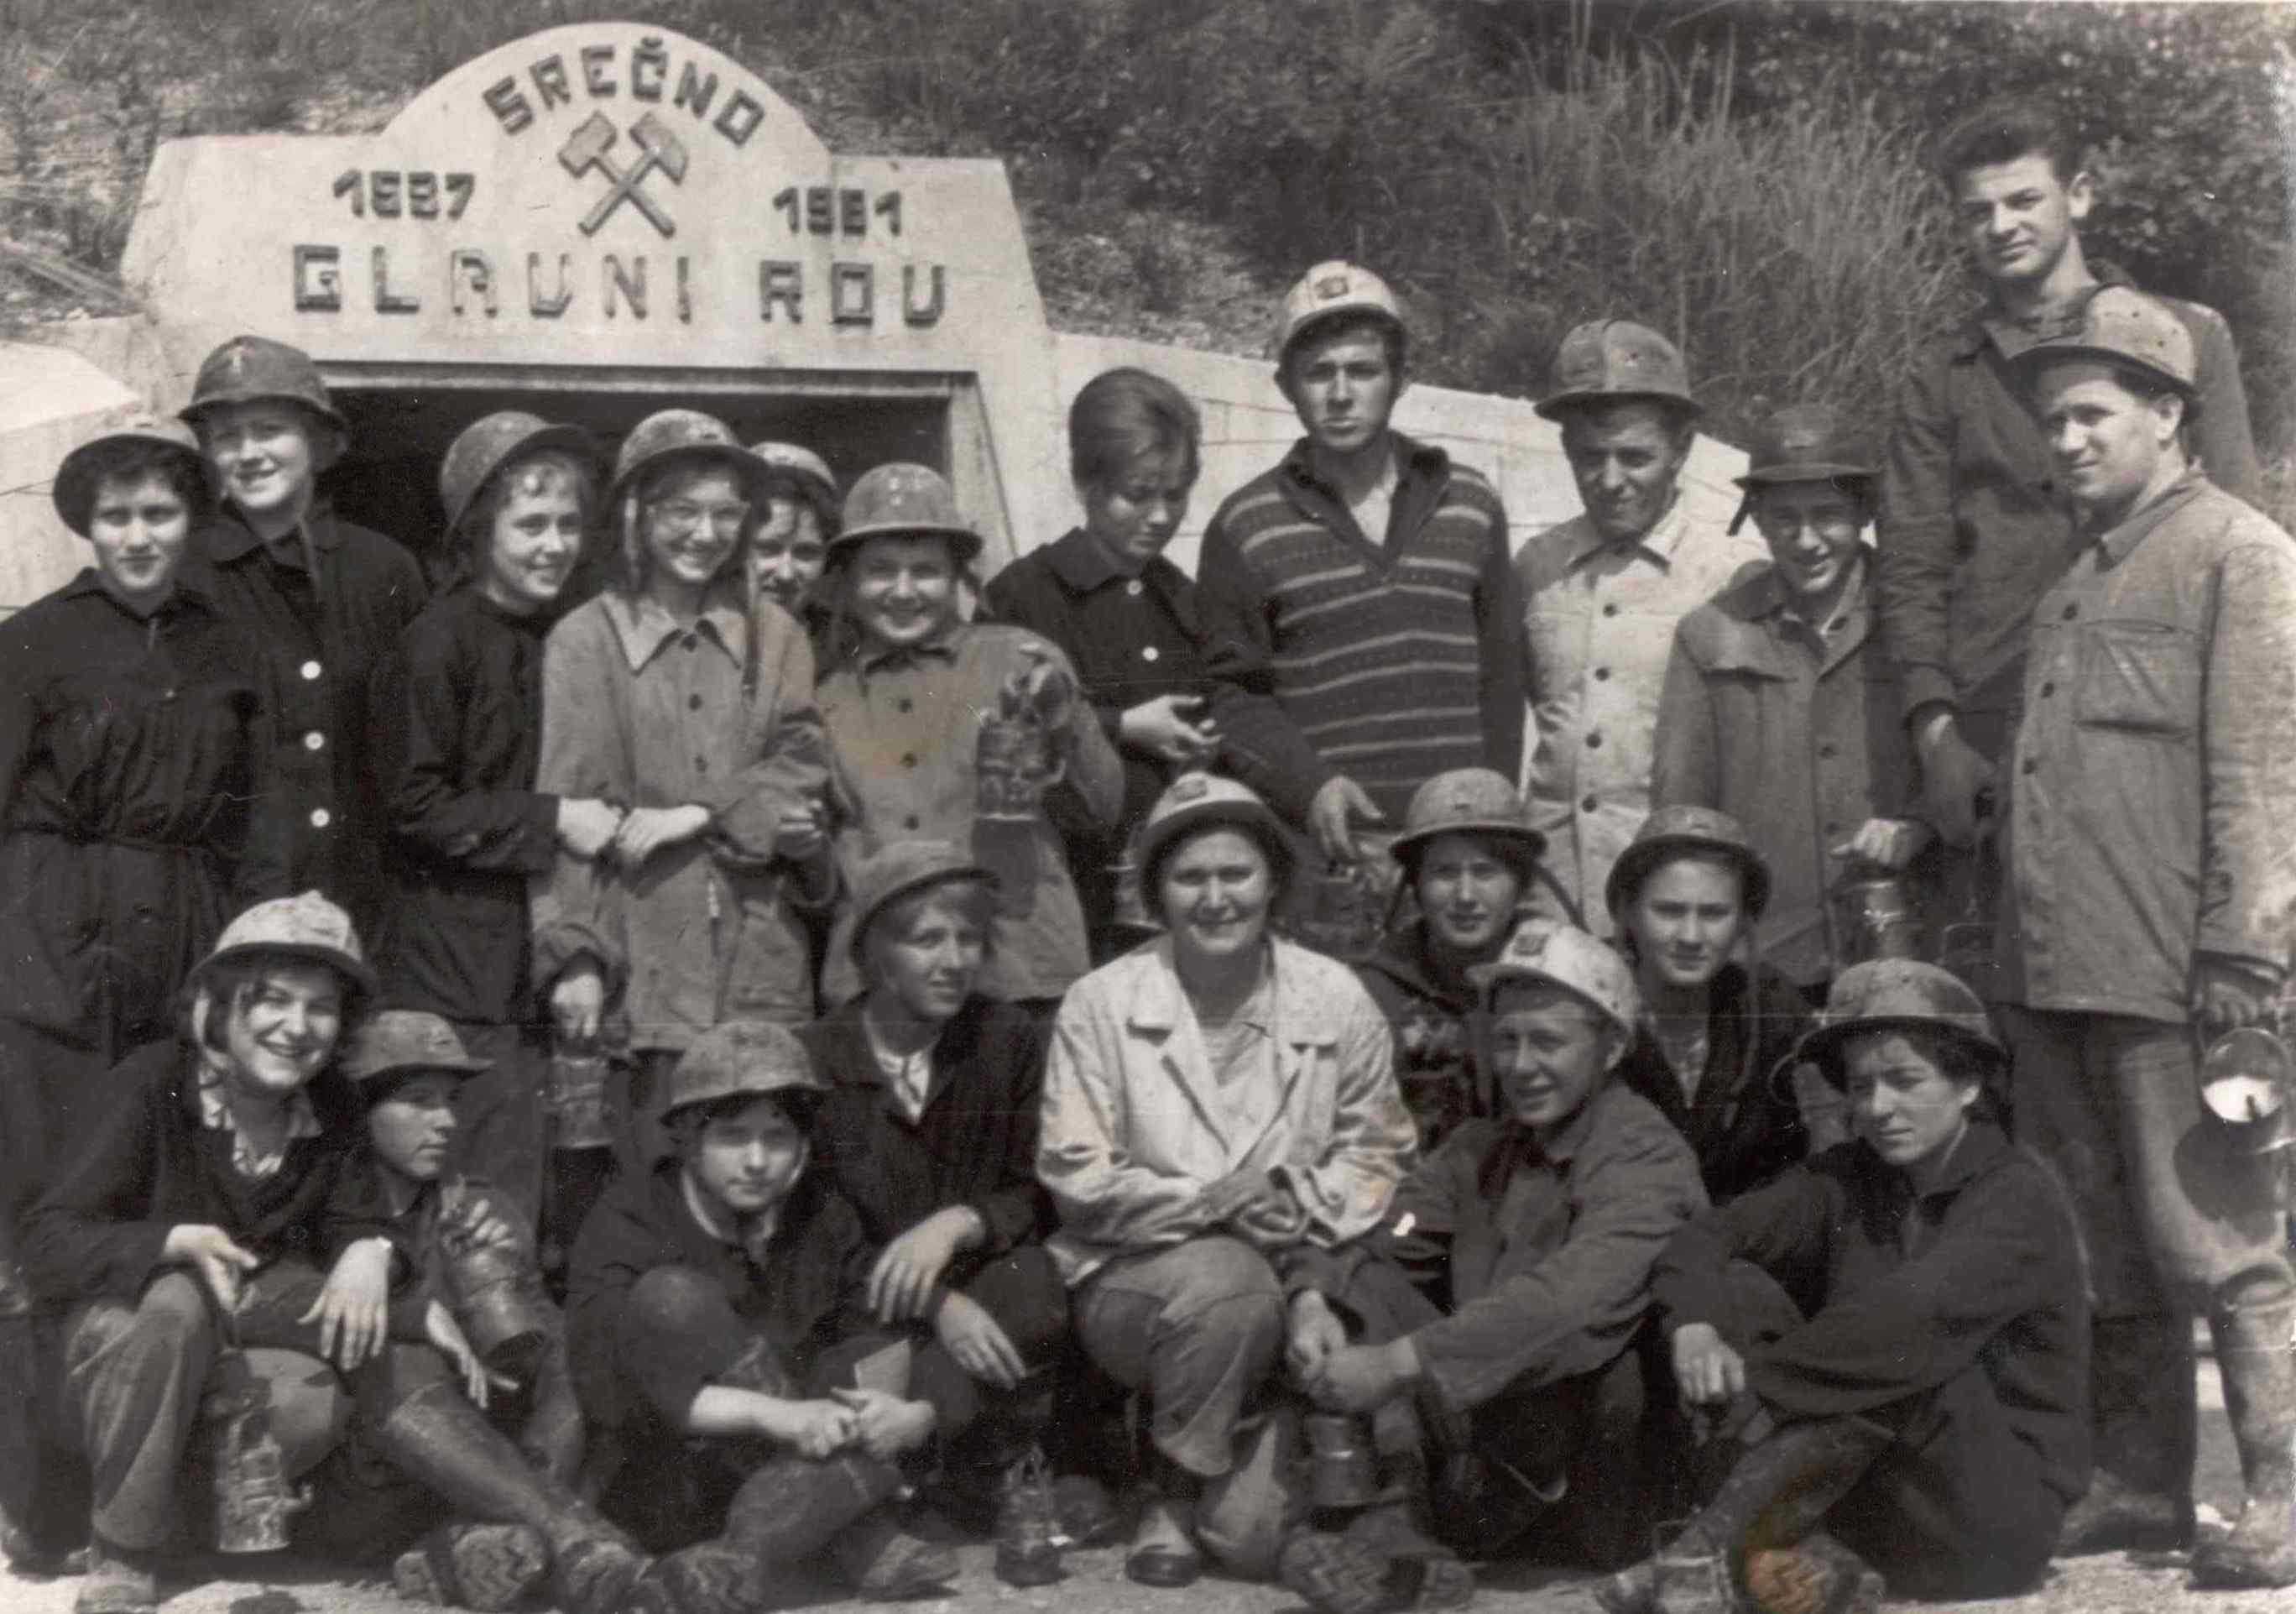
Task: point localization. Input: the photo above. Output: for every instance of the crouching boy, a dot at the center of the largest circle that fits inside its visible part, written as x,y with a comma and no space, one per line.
1501,1299
1894,1331
723,1343
494,1507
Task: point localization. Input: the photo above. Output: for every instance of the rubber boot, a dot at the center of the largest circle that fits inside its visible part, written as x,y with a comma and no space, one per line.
1817,1574
883,1562
1777,1495
437,1439
2260,1381
785,1513
2145,1412
486,1567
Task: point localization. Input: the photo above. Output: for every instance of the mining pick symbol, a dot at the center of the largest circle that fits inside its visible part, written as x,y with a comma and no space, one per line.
659,147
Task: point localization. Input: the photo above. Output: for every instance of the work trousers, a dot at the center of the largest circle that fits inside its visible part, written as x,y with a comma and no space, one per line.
134,1376
1199,1326
2174,1217
502,1139
1955,1506
669,1489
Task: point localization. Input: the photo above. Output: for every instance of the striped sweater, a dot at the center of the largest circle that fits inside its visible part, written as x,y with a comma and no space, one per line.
1399,660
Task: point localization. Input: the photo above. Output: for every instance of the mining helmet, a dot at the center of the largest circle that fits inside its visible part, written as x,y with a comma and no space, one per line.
788,459
669,434
905,499
398,1040
1542,949
1608,360
1195,800
902,866
2121,325
1326,292
85,466
1465,801
248,369
490,442
1671,831
1804,442
1898,995
738,1059
304,927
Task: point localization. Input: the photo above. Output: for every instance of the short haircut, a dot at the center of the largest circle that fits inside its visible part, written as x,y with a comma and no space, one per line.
1354,322
1956,1057
540,471
2005,129
654,486
129,462
1271,846
1124,415
973,901
230,982
806,491
686,1125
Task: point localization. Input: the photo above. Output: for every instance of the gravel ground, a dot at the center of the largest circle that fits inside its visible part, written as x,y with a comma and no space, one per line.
2116,1584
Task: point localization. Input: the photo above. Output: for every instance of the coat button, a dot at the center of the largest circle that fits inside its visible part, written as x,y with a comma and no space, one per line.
2071,612
905,705
702,764
1602,675
1827,747
908,759
1587,804
1595,742
311,671
1132,588
1150,654
910,822
694,703
315,741
2033,766
321,818
2048,689
691,643
1611,610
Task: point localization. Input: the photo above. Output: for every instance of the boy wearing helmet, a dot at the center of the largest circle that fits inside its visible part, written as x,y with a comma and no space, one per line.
718,1308
1891,1337
1604,591
1973,530
1372,570
326,598
1499,1299
2146,913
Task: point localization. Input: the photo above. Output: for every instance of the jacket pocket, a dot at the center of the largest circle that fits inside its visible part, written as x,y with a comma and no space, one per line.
2144,676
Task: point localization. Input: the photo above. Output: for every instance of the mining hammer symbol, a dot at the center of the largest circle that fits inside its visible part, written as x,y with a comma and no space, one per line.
586,148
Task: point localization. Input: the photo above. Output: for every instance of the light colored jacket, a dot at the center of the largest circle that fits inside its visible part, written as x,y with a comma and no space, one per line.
639,712
1600,619
2150,786
1135,1125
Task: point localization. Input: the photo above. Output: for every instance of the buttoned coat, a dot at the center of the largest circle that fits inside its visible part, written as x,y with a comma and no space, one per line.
1136,1125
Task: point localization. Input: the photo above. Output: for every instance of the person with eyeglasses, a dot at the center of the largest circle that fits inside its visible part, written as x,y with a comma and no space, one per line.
689,709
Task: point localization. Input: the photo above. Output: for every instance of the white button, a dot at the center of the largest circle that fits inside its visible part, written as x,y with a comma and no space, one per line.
1133,587
310,671
1150,654
321,818
314,740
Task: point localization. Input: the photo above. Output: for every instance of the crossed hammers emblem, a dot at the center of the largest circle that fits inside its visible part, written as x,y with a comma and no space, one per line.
659,147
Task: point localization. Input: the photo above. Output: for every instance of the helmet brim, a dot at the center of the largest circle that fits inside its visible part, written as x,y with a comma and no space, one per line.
73,491
1822,1045
354,970
966,543
1561,404
550,435
733,455
1635,864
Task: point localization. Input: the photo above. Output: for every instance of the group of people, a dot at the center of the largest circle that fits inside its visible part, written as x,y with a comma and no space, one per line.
721,1047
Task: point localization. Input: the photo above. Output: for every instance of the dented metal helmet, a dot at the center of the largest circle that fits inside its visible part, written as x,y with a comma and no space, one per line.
85,466
1899,995
1672,832
899,867
248,369
738,1059
304,927
397,1040
1195,800
2121,325
1616,360
669,434
1326,292
903,500
492,441
1465,801
788,459
1563,956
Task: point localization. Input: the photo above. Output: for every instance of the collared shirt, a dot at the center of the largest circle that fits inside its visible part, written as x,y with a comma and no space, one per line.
2149,784
1907,1290
1600,617
1798,734
1972,534
1540,1247
641,711
908,1076
904,733
1398,655
247,1158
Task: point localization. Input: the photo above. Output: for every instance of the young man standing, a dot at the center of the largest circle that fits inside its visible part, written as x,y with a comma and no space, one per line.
1372,571
1605,590
2146,912
1972,527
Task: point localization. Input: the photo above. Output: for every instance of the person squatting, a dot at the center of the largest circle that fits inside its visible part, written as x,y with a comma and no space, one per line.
720,1049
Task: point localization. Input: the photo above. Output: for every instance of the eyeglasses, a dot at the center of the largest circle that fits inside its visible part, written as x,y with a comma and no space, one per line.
685,516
